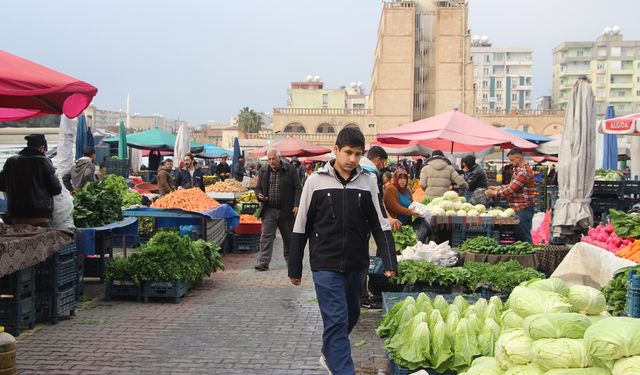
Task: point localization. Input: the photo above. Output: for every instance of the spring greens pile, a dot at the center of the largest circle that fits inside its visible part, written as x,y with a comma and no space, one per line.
404,237
501,277
546,331
97,204
168,257
412,271
425,333
615,291
625,225
487,245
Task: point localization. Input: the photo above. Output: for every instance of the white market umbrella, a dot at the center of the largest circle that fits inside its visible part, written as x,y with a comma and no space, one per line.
576,165
65,154
135,158
182,146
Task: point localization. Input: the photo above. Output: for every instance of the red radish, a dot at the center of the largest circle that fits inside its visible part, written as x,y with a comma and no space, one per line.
609,228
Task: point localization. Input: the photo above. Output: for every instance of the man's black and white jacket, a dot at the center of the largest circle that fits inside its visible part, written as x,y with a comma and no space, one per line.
337,217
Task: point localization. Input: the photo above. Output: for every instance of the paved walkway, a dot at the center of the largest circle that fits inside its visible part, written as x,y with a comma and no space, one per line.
237,322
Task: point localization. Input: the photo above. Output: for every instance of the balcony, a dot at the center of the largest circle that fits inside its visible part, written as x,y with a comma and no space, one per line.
323,111
575,72
621,85
518,112
319,139
621,99
524,87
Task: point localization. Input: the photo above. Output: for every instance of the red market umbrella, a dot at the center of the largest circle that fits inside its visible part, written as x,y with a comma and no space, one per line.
543,158
625,125
452,131
292,147
29,90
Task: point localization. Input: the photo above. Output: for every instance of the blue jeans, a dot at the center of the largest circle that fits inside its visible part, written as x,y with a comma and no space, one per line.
523,230
339,300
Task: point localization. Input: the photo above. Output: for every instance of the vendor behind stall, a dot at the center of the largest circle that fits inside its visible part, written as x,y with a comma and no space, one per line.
30,183
519,193
223,170
189,175
397,197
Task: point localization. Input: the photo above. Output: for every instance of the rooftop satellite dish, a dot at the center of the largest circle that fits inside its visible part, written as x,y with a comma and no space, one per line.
316,78
616,30
309,78
359,84
607,31
484,38
353,84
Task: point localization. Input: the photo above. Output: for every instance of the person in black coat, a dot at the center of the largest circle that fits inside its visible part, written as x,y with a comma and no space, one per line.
189,175
475,176
223,170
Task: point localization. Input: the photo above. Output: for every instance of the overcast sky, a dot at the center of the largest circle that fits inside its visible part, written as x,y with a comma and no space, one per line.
204,60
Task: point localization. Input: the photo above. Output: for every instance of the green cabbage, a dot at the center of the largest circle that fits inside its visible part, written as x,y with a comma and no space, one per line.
481,308
484,366
441,349
465,344
513,348
614,338
627,366
529,369
561,353
441,304
493,313
511,320
552,284
555,326
415,347
586,300
497,302
434,318
452,322
525,301
579,371
461,302
488,336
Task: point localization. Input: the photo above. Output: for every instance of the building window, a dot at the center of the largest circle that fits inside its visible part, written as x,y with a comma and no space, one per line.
499,84
600,80
372,125
325,100
615,51
498,108
600,66
485,84
485,96
514,97
622,93
358,105
325,129
580,53
487,58
602,52
499,97
294,128
637,92
615,65
638,79
485,71
600,93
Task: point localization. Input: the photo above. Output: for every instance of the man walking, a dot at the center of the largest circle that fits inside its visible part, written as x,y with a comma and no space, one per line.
339,208
239,170
519,193
30,182
278,188
189,176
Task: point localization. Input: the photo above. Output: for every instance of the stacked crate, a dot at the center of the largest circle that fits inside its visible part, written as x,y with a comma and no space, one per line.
56,282
17,301
606,195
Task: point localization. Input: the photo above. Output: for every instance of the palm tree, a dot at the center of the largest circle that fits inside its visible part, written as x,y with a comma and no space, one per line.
249,121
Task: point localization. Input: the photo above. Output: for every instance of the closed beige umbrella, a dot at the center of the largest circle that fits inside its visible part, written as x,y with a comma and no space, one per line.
576,165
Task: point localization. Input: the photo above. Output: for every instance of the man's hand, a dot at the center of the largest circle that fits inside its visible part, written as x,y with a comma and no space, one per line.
390,273
262,198
295,211
395,224
491,193
295,281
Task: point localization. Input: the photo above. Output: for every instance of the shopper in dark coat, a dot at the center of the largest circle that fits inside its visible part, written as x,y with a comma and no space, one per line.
475,176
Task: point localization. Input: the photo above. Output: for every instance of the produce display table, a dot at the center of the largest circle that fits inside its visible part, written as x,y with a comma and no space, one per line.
227,197
527,260
209,222
589,265
390,299
22,246
550,257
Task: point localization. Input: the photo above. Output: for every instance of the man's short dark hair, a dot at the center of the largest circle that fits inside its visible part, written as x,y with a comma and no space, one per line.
437,153
469,160
167,161
515,151
351,137
377,152
240,157
89,151
190,155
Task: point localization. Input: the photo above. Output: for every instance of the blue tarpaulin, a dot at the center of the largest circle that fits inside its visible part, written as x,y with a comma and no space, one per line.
610,159
528,136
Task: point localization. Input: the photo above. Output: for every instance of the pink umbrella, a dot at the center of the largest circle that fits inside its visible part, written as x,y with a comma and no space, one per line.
292,147
323,158
452,131
30,90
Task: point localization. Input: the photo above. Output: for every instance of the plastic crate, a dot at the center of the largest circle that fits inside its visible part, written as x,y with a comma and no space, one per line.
632,187
19,284
52,306
603,205
608,188
123,288
424,287
248,229
119,167
55,272
376,265
175,290
95,266
627,203
17,313
633,295
245,243
488,293
248,208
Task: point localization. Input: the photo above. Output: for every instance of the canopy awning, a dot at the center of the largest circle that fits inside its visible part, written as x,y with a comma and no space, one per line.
535,138
153,139
292,147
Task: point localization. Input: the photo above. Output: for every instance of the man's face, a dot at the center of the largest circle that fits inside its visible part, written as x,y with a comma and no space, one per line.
43,149
274,160
223,161
348,157
241,161
168,165
379,162
187,162
515,160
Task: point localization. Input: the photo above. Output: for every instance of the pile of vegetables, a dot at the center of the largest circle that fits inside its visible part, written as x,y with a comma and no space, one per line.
502,277
487,245
248,197
450,204
425,333
404,237
616,291
249,219
96,204
605,237
129,197
554,329
412,271
608,175
194,200
631,251
227,186
441,254
626,225
168,257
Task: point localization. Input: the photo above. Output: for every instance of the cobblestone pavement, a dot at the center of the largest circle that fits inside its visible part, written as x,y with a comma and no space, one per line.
237,322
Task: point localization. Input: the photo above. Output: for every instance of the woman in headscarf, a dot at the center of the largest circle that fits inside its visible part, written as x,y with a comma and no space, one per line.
397,197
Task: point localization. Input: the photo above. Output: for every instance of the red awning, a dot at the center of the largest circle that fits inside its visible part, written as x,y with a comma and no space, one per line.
29,90
624,125
292,147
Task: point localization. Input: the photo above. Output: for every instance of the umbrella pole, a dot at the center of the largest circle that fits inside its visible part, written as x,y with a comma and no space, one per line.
451,148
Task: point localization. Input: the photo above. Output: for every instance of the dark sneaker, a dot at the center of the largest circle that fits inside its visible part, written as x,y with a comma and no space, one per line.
261,267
